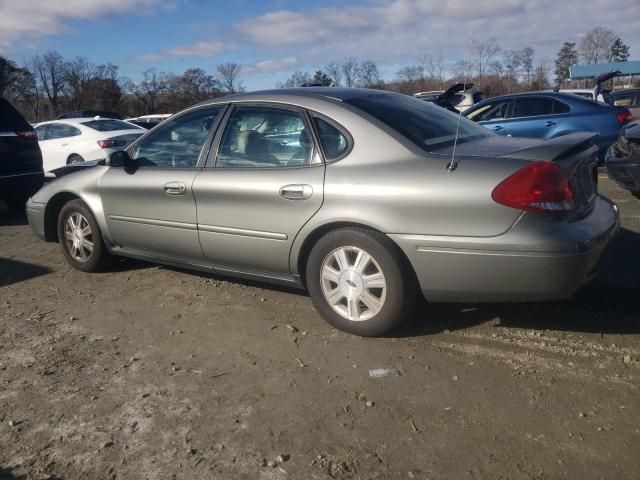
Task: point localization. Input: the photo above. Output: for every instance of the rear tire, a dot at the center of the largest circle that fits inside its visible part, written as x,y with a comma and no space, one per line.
360,282
74,159
80,238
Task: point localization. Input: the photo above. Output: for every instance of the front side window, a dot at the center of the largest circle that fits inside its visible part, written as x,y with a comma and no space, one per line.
178,143
264,137
490,111
427,125
334,143
532,107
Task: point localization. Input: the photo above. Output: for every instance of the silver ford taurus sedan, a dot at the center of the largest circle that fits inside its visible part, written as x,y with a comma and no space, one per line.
362,197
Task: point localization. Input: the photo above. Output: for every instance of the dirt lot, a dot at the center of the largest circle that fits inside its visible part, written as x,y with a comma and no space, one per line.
156,373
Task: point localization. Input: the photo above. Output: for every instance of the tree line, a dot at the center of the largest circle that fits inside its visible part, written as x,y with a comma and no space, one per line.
47,85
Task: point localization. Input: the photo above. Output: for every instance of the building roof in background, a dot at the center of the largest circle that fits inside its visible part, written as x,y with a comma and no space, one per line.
591,71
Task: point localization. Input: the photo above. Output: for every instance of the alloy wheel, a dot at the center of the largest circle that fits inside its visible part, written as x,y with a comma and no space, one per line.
353,283
78,237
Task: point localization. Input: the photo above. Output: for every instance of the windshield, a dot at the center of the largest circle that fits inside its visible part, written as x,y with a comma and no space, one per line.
109,125
427,125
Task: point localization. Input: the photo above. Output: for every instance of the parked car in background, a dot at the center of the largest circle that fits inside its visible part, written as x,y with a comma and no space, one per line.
148,121
89,113
79,139
21,172
364,210
629,98
589,93
623,159
456,98
549,115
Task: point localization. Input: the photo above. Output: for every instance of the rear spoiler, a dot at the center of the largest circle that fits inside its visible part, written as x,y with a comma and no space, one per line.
554,148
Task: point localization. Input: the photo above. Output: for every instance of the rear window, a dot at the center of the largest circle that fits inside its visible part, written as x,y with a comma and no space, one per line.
109,125
427,125
11,120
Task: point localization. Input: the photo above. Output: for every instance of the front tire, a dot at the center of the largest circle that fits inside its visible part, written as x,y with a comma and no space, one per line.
360,282
80,238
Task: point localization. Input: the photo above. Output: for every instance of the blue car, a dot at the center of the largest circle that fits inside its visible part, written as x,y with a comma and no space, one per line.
549,115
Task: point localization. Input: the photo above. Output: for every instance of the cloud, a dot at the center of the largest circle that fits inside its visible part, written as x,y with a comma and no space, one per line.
270,66
31,20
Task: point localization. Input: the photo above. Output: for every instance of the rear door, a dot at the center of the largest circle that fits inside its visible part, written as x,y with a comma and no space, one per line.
538,117
261,185
56,144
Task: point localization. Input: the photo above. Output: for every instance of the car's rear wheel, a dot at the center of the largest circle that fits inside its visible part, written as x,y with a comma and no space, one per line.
75,158
359,281
80,238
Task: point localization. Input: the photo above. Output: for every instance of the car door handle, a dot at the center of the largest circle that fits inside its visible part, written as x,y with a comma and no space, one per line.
64,144
549,123
497,128
175,188
296,192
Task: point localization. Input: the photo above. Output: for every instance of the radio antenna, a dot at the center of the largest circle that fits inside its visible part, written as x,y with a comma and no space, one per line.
453,164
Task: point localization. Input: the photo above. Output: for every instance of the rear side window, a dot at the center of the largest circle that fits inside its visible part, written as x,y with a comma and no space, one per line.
11,120
560,107
334,143
427,125
109,125
532,107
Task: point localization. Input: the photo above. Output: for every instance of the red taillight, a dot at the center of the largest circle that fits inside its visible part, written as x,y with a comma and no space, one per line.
31,135
539,187
111,143
624,116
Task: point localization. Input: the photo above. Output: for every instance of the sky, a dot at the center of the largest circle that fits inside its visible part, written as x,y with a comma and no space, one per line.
273,38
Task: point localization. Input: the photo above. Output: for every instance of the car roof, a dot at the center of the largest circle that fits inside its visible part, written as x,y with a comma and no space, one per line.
566,96
293,94
75,121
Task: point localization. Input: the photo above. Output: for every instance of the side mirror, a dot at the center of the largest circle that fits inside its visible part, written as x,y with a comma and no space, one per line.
122,159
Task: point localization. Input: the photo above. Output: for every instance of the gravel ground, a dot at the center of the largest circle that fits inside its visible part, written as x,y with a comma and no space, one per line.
148,372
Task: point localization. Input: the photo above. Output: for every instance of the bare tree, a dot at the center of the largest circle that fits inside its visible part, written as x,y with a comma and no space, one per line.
228,74
369,74
435,68
149,89
526,56
50,72
482,54
297,79
595,46
350,71
77,74
335,72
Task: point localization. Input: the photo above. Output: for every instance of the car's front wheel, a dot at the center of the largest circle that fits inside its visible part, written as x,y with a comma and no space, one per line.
359,281
80,238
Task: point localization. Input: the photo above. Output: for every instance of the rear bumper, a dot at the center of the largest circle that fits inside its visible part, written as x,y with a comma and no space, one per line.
537,259
625,173
20,185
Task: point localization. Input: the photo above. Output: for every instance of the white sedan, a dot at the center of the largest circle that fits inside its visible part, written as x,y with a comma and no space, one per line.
75,140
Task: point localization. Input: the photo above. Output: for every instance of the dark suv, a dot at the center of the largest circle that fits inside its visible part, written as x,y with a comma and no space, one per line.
21,173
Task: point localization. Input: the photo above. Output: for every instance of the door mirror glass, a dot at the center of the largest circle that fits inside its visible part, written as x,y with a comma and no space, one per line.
119,159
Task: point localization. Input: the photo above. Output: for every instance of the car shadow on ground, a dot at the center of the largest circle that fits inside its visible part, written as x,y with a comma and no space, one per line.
14,271
607,305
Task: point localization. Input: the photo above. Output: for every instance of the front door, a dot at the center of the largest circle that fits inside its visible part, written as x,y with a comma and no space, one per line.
493,115
264,183
151,209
